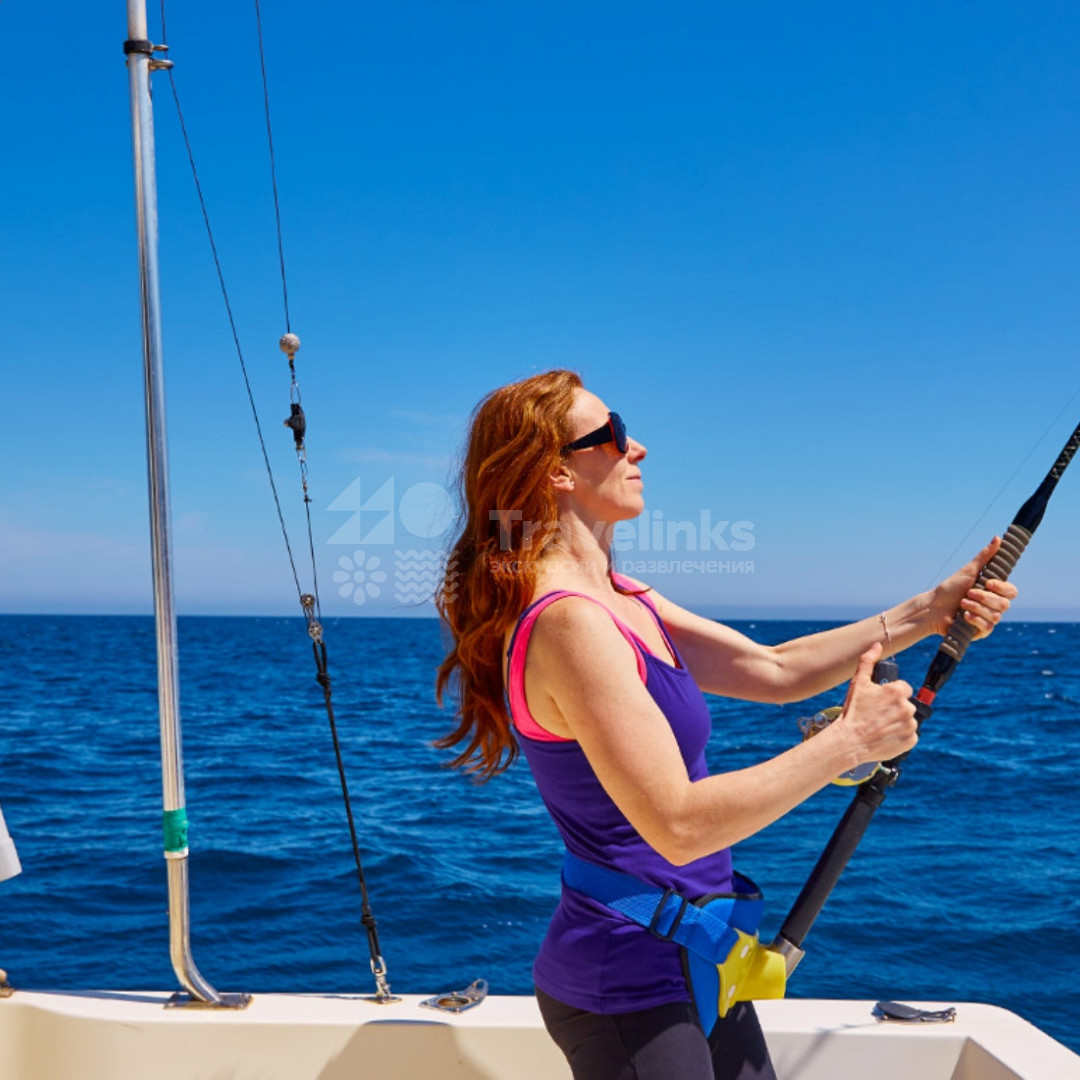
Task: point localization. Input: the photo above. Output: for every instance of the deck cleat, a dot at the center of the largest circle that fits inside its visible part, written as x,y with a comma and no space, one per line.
457,1001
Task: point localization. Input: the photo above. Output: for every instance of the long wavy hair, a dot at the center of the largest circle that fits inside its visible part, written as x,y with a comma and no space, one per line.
510,517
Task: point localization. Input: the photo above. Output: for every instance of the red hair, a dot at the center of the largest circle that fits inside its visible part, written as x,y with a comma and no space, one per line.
510,517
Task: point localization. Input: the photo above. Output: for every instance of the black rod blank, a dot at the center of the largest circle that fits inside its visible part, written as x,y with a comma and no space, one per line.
870,795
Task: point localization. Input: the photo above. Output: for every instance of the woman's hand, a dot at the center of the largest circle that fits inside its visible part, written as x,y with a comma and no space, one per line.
982,607
878,720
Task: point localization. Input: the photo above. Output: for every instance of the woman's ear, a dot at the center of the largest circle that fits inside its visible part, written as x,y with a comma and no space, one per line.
562,479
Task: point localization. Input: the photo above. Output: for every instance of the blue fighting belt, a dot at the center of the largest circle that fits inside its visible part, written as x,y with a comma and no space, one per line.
724,961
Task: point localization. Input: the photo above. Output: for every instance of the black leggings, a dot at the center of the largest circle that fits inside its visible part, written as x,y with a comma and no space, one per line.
662,1043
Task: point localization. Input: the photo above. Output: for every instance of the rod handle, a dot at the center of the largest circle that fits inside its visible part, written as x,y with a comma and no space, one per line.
885,671
961,632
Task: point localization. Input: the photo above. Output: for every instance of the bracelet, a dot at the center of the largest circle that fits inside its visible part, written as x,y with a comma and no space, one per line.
888,637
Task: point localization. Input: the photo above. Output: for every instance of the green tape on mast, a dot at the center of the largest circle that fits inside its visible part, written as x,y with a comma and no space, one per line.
175,825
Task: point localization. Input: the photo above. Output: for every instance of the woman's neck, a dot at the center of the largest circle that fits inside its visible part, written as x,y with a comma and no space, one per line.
579,554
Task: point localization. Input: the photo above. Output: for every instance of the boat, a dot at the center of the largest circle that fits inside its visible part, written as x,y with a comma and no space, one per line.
198,1033
131,1036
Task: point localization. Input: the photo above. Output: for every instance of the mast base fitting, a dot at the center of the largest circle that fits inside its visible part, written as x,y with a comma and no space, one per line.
380,999
182,1000
792,954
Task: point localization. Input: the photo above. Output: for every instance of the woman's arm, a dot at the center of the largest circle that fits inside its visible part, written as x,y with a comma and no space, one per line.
583,672
726,662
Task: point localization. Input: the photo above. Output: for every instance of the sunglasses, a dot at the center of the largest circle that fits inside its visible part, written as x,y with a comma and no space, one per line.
613,430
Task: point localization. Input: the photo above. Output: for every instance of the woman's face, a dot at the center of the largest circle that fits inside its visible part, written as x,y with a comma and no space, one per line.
606,485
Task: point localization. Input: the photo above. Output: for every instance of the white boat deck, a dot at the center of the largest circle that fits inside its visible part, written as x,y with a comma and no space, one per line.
104,1035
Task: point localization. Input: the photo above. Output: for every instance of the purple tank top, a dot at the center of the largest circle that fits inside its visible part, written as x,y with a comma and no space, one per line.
593,958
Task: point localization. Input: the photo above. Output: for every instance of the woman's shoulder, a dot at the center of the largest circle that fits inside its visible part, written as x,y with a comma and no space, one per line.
579,637
574,611
577,621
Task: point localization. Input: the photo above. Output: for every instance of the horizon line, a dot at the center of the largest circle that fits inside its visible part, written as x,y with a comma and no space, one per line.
735,613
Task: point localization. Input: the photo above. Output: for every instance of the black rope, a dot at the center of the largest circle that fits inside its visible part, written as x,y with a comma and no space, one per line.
367,918
313,609
310,603
273,166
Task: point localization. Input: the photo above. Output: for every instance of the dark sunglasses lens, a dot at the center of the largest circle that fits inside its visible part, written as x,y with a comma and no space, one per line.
618,430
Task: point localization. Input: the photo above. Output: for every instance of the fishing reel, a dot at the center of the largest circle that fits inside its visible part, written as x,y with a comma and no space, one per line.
884,671
813,725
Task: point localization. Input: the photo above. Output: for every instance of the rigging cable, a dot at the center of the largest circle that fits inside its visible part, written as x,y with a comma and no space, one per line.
273,166
309,602
289,341
947,561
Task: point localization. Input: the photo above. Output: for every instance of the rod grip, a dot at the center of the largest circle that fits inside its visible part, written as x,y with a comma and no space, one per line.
962,633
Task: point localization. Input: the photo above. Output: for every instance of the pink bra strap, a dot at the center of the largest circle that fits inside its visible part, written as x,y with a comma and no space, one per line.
519,647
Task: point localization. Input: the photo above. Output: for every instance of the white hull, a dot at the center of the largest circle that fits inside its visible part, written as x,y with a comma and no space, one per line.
132,1036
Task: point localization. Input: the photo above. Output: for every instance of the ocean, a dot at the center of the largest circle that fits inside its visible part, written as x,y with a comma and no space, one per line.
966,887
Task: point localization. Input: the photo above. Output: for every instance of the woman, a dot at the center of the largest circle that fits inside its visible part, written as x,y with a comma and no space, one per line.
598,679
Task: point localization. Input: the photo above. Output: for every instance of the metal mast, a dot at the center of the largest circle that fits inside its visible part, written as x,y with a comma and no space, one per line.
140,62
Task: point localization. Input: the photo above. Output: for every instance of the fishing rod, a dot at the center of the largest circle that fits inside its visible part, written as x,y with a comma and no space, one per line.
871,792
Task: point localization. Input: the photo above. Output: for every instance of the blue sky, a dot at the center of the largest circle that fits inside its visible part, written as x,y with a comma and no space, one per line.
824,260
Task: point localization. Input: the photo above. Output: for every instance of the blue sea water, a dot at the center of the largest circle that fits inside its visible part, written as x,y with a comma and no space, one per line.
966,887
